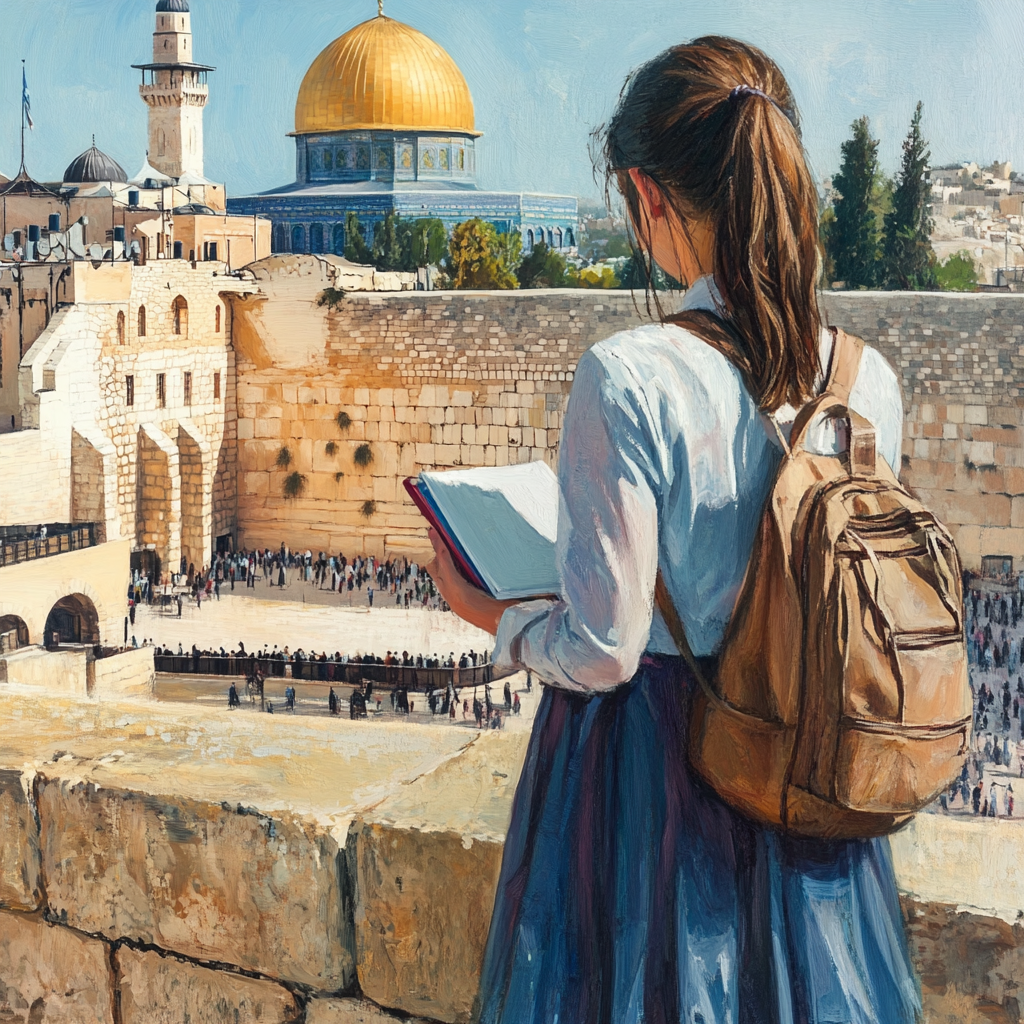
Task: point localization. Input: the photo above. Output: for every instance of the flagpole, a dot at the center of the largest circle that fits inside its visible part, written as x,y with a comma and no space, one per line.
23,114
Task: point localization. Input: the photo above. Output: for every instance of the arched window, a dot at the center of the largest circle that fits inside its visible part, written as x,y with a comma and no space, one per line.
216,319
280,238
529,239
338,248
120,327
142,321
299,238
179,310
558,238
570,238
316,238
551,237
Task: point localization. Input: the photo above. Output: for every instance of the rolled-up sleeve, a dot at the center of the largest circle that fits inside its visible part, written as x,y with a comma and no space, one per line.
607,549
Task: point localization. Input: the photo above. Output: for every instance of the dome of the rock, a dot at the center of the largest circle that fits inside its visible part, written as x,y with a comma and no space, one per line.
384,75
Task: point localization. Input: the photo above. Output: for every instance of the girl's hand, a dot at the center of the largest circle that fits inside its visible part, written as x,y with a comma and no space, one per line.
468,601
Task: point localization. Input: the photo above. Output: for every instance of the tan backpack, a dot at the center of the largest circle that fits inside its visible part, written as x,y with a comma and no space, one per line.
839,704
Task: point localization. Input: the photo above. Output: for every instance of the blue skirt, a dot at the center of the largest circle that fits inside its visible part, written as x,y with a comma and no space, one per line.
630,893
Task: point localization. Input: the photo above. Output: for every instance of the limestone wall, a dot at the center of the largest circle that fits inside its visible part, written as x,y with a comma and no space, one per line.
427,380
961,362
443,379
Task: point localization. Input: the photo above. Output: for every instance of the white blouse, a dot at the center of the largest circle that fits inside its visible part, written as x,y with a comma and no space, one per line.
665,460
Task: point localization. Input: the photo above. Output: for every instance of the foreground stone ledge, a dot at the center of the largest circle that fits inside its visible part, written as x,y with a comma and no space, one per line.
51,975
267,893
19,846
155,989
426,868
971,965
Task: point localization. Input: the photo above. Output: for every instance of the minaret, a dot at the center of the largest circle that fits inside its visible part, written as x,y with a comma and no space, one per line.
175,90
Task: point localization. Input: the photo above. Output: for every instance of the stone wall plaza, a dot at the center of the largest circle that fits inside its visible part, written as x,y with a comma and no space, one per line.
443,379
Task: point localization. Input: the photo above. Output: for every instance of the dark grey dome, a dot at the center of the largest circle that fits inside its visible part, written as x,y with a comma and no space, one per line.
174,6
194,208
93,165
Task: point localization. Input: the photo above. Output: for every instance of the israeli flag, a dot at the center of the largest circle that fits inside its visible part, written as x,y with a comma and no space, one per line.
26,103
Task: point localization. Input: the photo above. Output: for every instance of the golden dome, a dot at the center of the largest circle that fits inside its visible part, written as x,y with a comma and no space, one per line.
384,75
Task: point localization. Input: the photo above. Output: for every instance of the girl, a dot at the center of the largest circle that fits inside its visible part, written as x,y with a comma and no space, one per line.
629,892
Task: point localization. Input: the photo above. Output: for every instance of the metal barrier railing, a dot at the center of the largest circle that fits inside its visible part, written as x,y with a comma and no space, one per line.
353,673
56,542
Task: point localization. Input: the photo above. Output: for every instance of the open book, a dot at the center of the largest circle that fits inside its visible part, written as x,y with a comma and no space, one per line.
499,523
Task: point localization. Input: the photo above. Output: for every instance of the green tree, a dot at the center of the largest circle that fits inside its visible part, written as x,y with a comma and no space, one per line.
356,249
476,257
387,253
958,273
423,242
853,236
510,251
908,255
542,268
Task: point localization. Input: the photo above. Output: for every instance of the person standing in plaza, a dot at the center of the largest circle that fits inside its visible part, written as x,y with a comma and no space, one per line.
629,891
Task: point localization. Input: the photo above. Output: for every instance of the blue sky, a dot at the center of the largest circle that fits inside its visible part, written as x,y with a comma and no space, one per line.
542,74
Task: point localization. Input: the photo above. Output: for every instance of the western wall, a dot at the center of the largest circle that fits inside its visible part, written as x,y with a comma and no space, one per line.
453,379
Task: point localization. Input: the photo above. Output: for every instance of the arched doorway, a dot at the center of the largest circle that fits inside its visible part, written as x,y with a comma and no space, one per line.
13,633
72,620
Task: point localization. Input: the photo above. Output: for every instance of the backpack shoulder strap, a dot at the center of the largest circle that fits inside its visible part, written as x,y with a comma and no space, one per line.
844,365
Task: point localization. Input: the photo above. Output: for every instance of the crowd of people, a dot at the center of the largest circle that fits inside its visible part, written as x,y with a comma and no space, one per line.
444,701
993,622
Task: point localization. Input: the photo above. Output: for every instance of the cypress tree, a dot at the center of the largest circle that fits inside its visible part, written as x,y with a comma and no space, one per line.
909,258
356,249
853,235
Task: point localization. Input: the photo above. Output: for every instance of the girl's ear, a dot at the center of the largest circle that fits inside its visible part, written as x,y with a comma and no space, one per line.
649,192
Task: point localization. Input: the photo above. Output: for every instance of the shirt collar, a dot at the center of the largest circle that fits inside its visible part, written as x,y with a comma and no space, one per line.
703,294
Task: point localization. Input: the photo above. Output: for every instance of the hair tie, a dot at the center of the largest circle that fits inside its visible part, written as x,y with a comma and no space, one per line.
749,90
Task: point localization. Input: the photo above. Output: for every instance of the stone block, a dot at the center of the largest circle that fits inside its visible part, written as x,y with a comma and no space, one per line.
51,975
349,1011
155,989
267,893
19,846
426,867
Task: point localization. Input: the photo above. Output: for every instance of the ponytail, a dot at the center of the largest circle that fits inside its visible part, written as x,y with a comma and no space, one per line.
714,125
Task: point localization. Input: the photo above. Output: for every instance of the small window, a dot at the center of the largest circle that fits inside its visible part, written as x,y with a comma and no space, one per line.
161,390
188,387
216,319
213,251
216,385
142,321
179,250
129,390
120,327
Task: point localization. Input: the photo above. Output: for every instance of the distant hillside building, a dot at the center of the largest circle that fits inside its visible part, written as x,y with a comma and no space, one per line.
384,122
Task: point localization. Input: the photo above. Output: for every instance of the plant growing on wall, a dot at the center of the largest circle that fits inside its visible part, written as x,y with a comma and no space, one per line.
368,508
330,448
294,485
338,476
284,458
344,420
363,456
331,298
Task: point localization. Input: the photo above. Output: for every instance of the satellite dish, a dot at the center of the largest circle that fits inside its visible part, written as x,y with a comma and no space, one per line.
96,251
43,247
59,252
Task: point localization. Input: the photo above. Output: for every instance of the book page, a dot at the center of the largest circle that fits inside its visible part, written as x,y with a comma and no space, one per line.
506,519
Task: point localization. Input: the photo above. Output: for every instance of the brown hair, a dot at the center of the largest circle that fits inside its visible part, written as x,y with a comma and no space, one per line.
714,125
